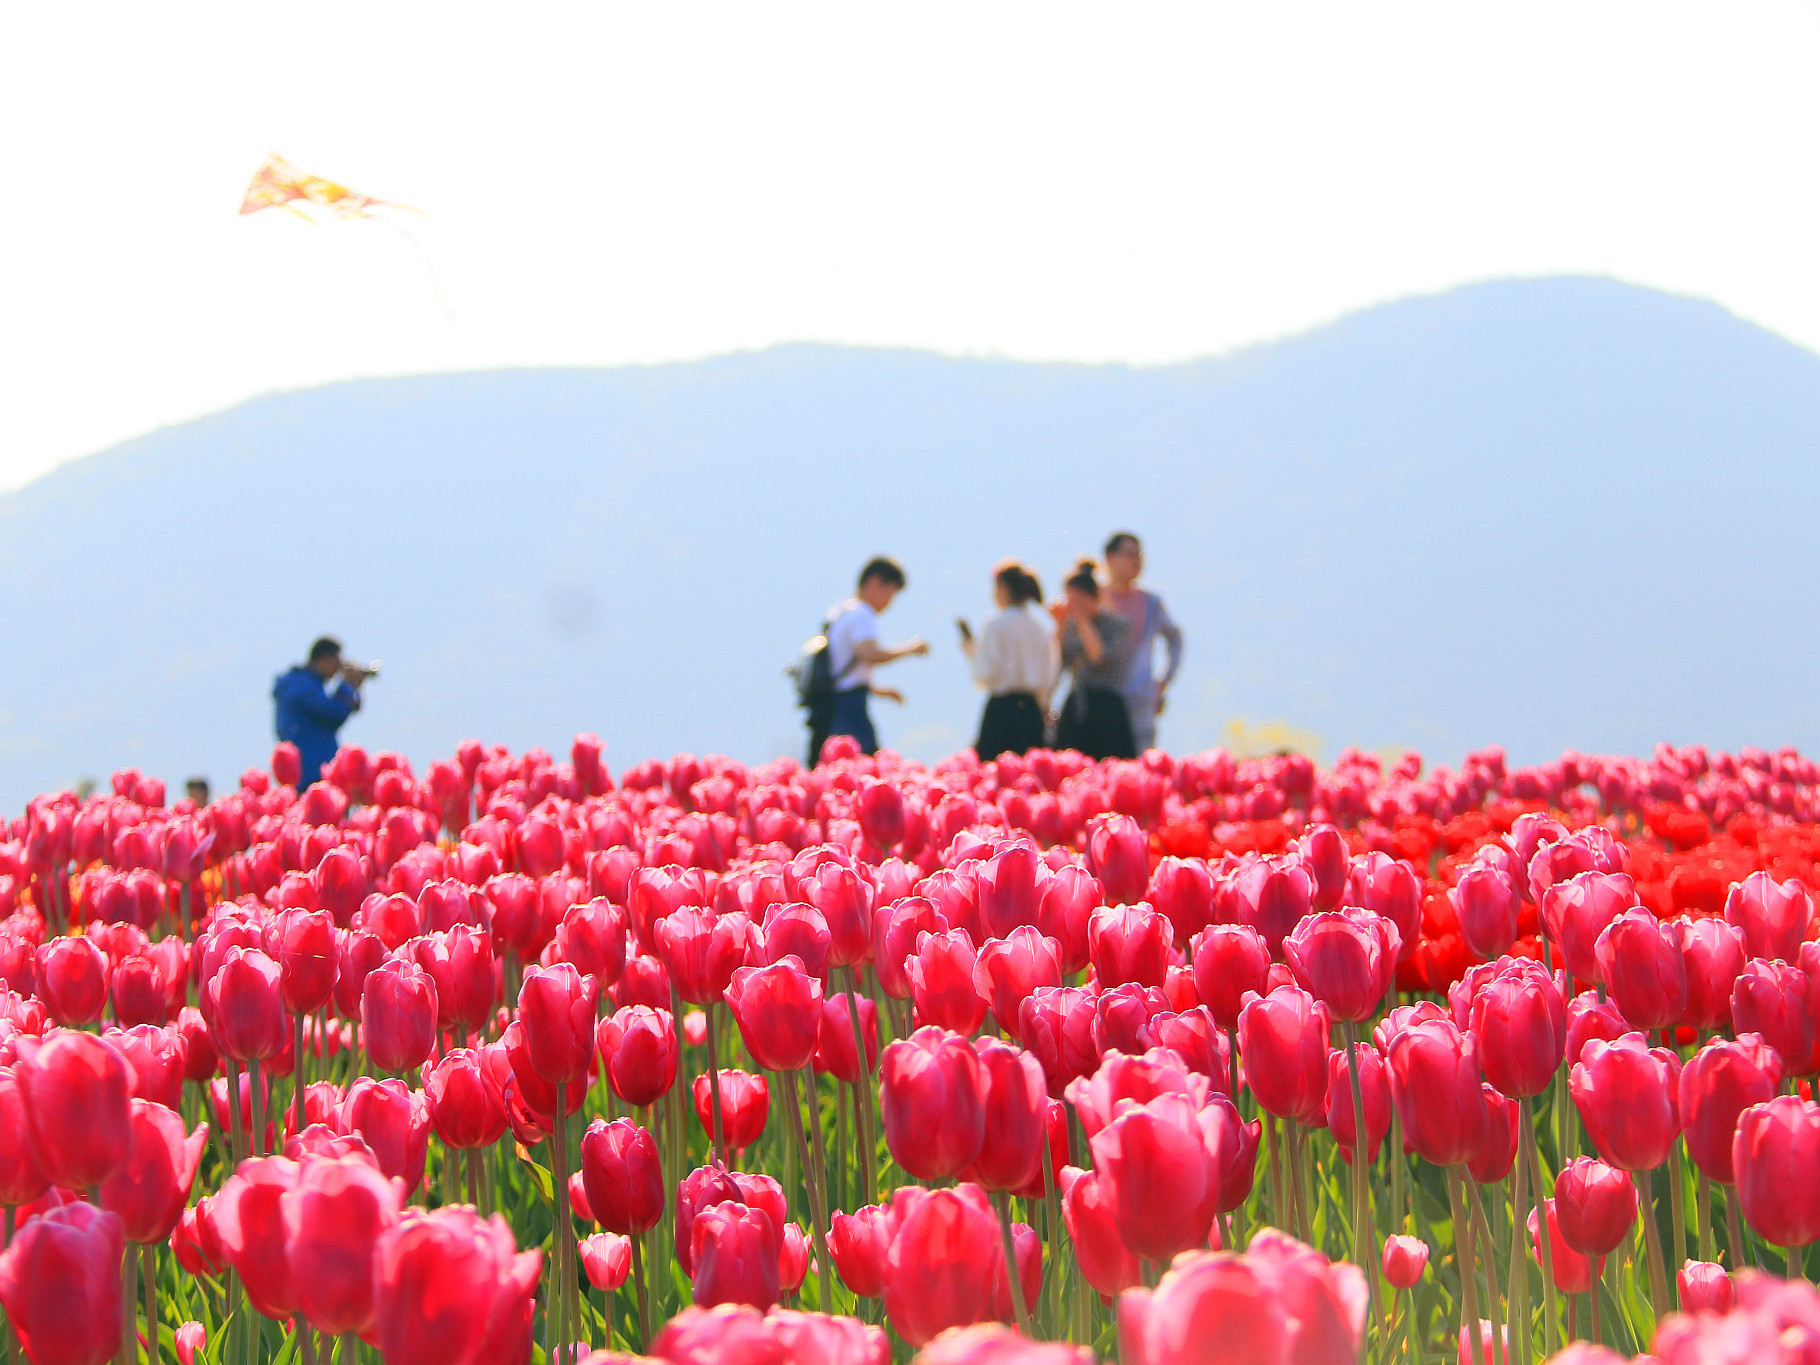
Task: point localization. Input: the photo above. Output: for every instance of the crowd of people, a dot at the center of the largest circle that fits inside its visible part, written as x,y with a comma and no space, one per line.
1102,637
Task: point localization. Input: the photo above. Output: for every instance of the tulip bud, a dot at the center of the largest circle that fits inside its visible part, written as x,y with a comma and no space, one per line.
1346,959
1160,1180
463,1103
1405,1259
1596,1204
941,982
735,1256
1435,1084
556,1007
398,1015
932,1102
944,1263
1640,960
779,1012
620,1172
1626,1093
859,1242
1777,1144
1008,969
640,1045
1773,916
1118,854
451,1289
1231,961
1129,943
60,1283
333,1218
1283,1038
76,1088
745,1104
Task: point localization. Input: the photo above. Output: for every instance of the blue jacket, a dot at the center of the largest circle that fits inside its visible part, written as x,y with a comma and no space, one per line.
309,717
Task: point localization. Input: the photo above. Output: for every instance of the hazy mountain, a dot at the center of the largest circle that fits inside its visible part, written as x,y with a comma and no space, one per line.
1548,513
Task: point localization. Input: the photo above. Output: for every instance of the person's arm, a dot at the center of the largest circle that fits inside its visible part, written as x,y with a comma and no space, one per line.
1091,643
872,652
1172,637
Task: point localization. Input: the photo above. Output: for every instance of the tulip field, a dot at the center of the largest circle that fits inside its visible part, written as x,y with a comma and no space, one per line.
1026,1062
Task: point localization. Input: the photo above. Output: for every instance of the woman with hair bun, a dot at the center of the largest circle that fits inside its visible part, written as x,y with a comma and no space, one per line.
1095,647
1014,661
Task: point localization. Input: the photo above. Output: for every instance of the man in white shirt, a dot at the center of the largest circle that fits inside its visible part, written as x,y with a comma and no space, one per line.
853,652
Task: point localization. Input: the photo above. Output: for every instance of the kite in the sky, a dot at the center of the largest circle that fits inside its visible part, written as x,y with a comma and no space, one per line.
278,184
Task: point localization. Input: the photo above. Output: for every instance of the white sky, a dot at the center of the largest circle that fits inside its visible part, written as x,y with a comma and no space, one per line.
606,183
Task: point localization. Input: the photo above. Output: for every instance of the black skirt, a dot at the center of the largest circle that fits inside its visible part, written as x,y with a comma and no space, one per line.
1094,720
1012,724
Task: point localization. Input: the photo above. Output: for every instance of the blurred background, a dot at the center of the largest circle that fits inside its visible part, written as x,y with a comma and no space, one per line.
1456,367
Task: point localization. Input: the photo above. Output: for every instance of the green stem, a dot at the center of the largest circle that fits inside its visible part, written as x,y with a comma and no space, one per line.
818,1208
1463,1261
1002,1202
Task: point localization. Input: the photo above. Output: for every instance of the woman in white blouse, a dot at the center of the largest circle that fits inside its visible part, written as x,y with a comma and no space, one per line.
1014,660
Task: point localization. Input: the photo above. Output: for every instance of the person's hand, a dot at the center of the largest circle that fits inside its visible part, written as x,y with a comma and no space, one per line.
919,646
1162,694
889,694
355,674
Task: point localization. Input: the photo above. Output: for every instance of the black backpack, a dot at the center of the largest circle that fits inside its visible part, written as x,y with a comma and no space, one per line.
813,675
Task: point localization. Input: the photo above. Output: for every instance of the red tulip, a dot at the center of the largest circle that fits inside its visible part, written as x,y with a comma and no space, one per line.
1129,943
1281,1301
745,1104
1576,911
196,1243
1118,853
1640,959
398,1015
1374,1086
1346,959
1770,998
1573,1273
1719,1083
1008,969
1068,900
735,1254
1626,1094
1486,903
881,813
941,981
249,1220
459,961
152,1186
944,1262
859,1243
21,1179
1160,1180
1520,1024
931,1094
895,930
1435,1084
1773,1157
640,1045
452,1290
357,956
392,1119
333,1218
1596,1205
73,980
1705,1288
77,1090
1230,962
556,1006
1712,955
779,1012
1587,1018
308,959
1010,886
592,936
463,1102
1056,1024
845,900
287,767
607,1258
1016,1113
1283,1038
620,1172
1273,895
699,1189
835,1052
190,1338
703,950
799,931
156,1056
1773,916
137,992
1405,1260
1498,1151
1389,887
1105,1261
1181,889
60,1282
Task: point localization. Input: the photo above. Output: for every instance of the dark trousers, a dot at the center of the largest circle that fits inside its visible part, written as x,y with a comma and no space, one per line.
1095,722
846,714
1012,724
